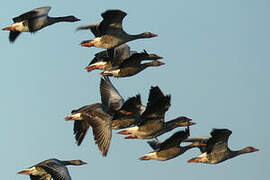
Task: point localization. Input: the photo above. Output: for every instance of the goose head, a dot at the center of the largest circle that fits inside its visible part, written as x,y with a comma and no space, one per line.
184,121
148,35
77,162
156,63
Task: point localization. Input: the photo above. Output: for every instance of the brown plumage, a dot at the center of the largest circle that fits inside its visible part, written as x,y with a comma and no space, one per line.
33,21
109,32
132,65
99,116
217,151
51,168
153,124
122,119
103,61
170,148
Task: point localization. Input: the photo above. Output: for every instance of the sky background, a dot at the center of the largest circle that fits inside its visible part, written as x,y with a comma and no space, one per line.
217,72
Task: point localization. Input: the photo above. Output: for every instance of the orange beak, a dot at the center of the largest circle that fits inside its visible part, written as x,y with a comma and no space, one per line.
154,35
161,63
125,132
191,123
8,29
145,158
87,44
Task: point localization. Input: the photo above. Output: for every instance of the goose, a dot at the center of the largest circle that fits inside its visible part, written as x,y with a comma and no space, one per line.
152,119
133,66
109,32
102,61
33,21
99,116
51,168
217,150
170,148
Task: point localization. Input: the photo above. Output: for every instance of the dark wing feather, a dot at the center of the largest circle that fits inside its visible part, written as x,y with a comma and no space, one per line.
13,35
94,28
218,141
121,53
102,129
32,14
110,53
80,129
25,16
112,19
110,97
44,177
133,104
175,139
99,57
202,139
133,60
58,172
154,94
154,144
158,108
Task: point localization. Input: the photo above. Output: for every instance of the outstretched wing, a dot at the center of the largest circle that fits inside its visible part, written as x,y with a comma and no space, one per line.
80,129
154,144
58,172
13,35
110,97
33,13
157,105
219,140
44,177
94,28
112,19
102,129
175,139
121,53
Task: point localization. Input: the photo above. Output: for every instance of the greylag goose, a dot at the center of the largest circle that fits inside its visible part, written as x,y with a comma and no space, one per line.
51,168
98,116
132,65
109,32
152,119
102,60
33,21
216,149
170,148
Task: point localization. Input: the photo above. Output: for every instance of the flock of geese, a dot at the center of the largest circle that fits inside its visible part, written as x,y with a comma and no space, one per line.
113,112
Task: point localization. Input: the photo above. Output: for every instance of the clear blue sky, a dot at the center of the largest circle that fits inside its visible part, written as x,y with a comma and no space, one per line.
217,71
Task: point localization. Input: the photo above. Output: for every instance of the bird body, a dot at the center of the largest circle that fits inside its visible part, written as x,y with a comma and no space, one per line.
109,32
103,61
132,65
152,119
99,116
33,21
170,148
216,150
51,168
